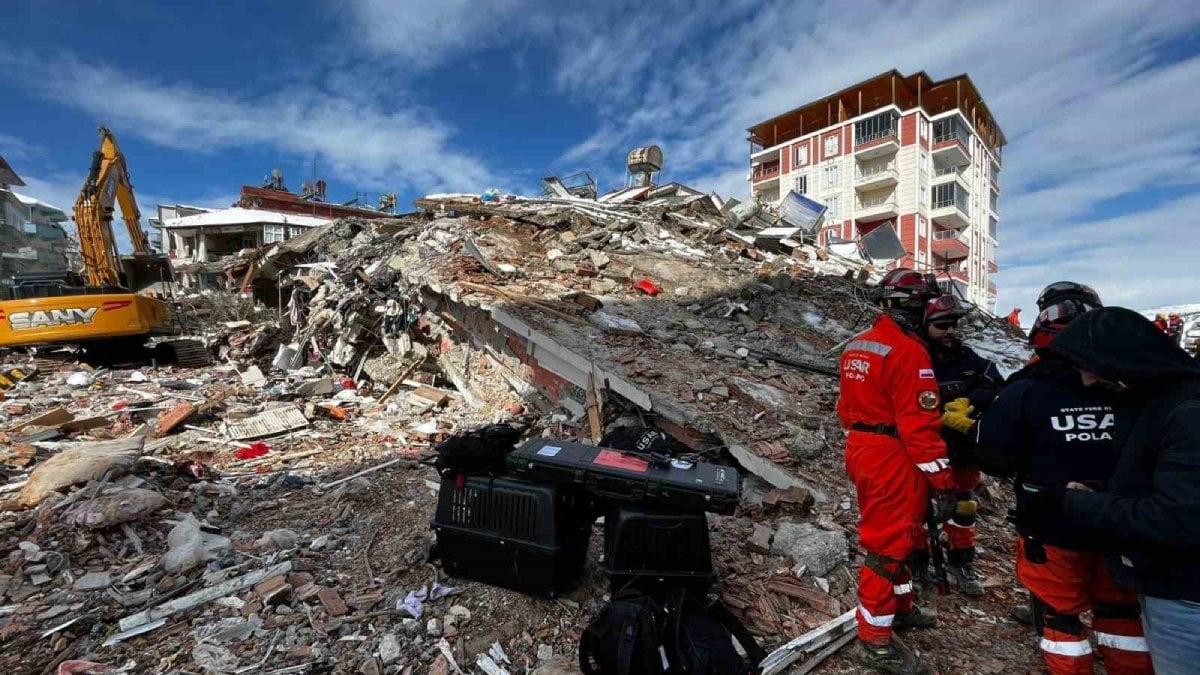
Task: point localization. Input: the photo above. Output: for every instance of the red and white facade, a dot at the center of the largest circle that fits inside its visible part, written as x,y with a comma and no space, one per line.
925,162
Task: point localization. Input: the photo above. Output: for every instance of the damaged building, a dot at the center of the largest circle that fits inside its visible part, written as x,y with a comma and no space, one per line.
32,233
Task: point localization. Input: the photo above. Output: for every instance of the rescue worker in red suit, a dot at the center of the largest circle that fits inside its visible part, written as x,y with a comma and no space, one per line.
1048,429
1174,326
891,411
1161,322
961,373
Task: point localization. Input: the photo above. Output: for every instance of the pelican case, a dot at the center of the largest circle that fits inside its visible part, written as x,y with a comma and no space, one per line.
657,551
506,532
632,478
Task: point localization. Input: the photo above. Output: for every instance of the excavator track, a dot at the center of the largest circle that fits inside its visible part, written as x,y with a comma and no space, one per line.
183,353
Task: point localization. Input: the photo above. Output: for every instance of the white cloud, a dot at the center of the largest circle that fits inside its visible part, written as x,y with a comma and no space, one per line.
424,33
359,140
61,189
1094,106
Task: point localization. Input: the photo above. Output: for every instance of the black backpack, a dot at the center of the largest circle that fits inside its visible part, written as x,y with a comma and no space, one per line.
480,451
623,638
700,633
634,635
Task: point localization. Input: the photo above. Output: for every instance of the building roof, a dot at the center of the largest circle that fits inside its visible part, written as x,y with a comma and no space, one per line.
7,175
889,88
35,203
240,216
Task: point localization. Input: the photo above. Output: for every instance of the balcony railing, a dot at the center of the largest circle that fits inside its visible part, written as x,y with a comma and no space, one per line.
871,172
947,170
872,202
958,199
875,135
947,234
765,171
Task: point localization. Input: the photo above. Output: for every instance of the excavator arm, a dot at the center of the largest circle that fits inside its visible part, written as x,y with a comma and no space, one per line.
107,184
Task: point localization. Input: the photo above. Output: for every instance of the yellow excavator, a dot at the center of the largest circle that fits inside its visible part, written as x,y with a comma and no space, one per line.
111,309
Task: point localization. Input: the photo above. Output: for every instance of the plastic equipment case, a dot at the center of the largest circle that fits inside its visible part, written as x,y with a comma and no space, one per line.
657,551
611,475
529,537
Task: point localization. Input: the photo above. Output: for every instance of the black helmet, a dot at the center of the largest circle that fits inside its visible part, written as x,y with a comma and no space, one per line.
903,288
1068,290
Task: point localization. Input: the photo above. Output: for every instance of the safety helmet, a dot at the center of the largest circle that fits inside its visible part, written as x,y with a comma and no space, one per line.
944,307
1064,290
1052,320
903,288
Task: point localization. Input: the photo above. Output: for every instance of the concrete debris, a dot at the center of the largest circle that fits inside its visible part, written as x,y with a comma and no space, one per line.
818,550
270,513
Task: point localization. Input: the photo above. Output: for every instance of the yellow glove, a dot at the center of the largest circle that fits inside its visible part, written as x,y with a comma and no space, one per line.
957,415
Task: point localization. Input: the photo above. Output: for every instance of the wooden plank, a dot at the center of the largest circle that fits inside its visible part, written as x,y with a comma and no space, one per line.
51,418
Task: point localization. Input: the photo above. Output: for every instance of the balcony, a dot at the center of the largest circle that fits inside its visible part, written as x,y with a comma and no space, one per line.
949,208
875,176
876,207
950,245
879,144
993,267
945,173
877,136
762,173
951,149
991,288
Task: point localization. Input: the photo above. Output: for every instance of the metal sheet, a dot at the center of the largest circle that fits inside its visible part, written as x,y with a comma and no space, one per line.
267,423
883,243
800,211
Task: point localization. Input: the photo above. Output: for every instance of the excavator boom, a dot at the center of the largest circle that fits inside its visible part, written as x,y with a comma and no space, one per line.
104,311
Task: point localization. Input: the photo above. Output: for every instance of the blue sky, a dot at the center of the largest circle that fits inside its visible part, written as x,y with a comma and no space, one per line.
1099,101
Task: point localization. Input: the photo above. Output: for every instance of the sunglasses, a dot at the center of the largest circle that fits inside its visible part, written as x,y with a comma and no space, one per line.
944,325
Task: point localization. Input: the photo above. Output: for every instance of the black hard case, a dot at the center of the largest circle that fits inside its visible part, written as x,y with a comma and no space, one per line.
611,475
507,532
657,551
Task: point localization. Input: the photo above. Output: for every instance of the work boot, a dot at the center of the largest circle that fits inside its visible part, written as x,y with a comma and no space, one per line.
916,617
923,582
887,659
1023,614
967,578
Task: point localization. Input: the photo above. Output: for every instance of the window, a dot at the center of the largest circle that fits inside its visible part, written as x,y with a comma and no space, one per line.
272,234
924,227
921,161
802,154
248,242
923,126
831,145
876,127
831,208
800,184
831,175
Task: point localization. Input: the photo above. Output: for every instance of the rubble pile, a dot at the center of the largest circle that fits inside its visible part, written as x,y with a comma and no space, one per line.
270,512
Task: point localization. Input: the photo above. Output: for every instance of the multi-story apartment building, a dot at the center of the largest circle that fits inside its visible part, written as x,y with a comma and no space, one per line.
920,155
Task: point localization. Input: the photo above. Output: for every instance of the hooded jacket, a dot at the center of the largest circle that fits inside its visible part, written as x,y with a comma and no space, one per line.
1150,508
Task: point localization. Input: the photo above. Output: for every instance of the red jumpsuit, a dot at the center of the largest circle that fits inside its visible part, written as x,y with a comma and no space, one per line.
889,405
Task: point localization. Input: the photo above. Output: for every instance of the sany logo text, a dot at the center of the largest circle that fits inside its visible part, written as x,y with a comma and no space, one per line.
53,317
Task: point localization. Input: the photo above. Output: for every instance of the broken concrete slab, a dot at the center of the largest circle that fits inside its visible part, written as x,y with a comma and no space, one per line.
818,550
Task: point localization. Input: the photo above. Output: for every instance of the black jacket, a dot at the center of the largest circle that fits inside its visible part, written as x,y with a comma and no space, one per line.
1150,509
1046,428
961,373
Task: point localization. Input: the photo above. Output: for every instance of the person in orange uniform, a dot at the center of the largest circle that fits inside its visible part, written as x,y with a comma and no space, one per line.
890,408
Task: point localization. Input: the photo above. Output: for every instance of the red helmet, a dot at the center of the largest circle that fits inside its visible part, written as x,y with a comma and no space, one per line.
1068,290
944,307
904,288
